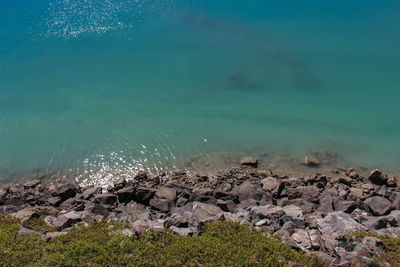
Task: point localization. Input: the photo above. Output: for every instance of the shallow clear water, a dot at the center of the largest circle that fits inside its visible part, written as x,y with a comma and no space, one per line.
101,86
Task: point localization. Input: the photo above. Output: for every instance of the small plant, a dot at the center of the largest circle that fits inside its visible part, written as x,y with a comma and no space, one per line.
219,244
391,251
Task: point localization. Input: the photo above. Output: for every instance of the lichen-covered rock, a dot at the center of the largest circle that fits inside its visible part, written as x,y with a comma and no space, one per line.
338,224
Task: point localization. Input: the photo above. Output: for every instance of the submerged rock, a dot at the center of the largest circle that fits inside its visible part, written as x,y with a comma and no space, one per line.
311,161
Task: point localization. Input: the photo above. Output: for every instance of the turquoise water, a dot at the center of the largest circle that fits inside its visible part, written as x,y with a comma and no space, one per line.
106,87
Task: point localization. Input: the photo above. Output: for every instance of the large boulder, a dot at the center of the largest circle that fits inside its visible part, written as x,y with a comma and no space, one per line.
338,224
379,206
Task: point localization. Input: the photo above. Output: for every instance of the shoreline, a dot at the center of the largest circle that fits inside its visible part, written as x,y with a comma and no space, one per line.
204,164
314,213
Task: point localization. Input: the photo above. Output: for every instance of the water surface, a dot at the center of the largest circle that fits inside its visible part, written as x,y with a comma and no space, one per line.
104,87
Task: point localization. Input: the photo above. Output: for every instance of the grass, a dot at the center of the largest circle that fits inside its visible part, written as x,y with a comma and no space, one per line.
391,251
100,244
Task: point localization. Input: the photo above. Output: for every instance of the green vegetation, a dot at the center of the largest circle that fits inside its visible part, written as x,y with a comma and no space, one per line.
391,251
102,244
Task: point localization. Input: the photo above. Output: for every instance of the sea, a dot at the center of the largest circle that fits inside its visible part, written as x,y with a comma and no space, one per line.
98,89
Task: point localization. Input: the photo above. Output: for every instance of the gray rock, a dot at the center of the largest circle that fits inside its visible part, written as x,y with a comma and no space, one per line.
294,212
144,195
304,205
347,206
249,161
96,209
54,201
302,240
105,199
203,212
270,184
25,231
72,204
338,224
90,192
183,231
379,206
164,199
26,214
377,177
125,195
267,211
247,190
68,219
311,161
31,184
65,191
226,205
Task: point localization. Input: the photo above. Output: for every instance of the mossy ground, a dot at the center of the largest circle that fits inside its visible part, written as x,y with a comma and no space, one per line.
220,244
391,251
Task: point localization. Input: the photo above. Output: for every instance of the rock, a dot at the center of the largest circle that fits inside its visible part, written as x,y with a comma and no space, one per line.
302,240
272,185
249,161
65,191
326,201
308,193
51,235
226,205
105,199
54,201
304,205
356,193
183,231
141,175
376,177
45,210
68,219
90,192
311,219
345,180
392,181
247,190
119,184
375,223
294,212
126,194
315,238
267,211
203,212
347,206
164,199
311,161
239,216
72,204
25,231
143,195
96,209
31,184
338,224
379,206
25,214
179,220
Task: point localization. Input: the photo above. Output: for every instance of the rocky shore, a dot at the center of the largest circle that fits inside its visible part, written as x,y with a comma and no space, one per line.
314,213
